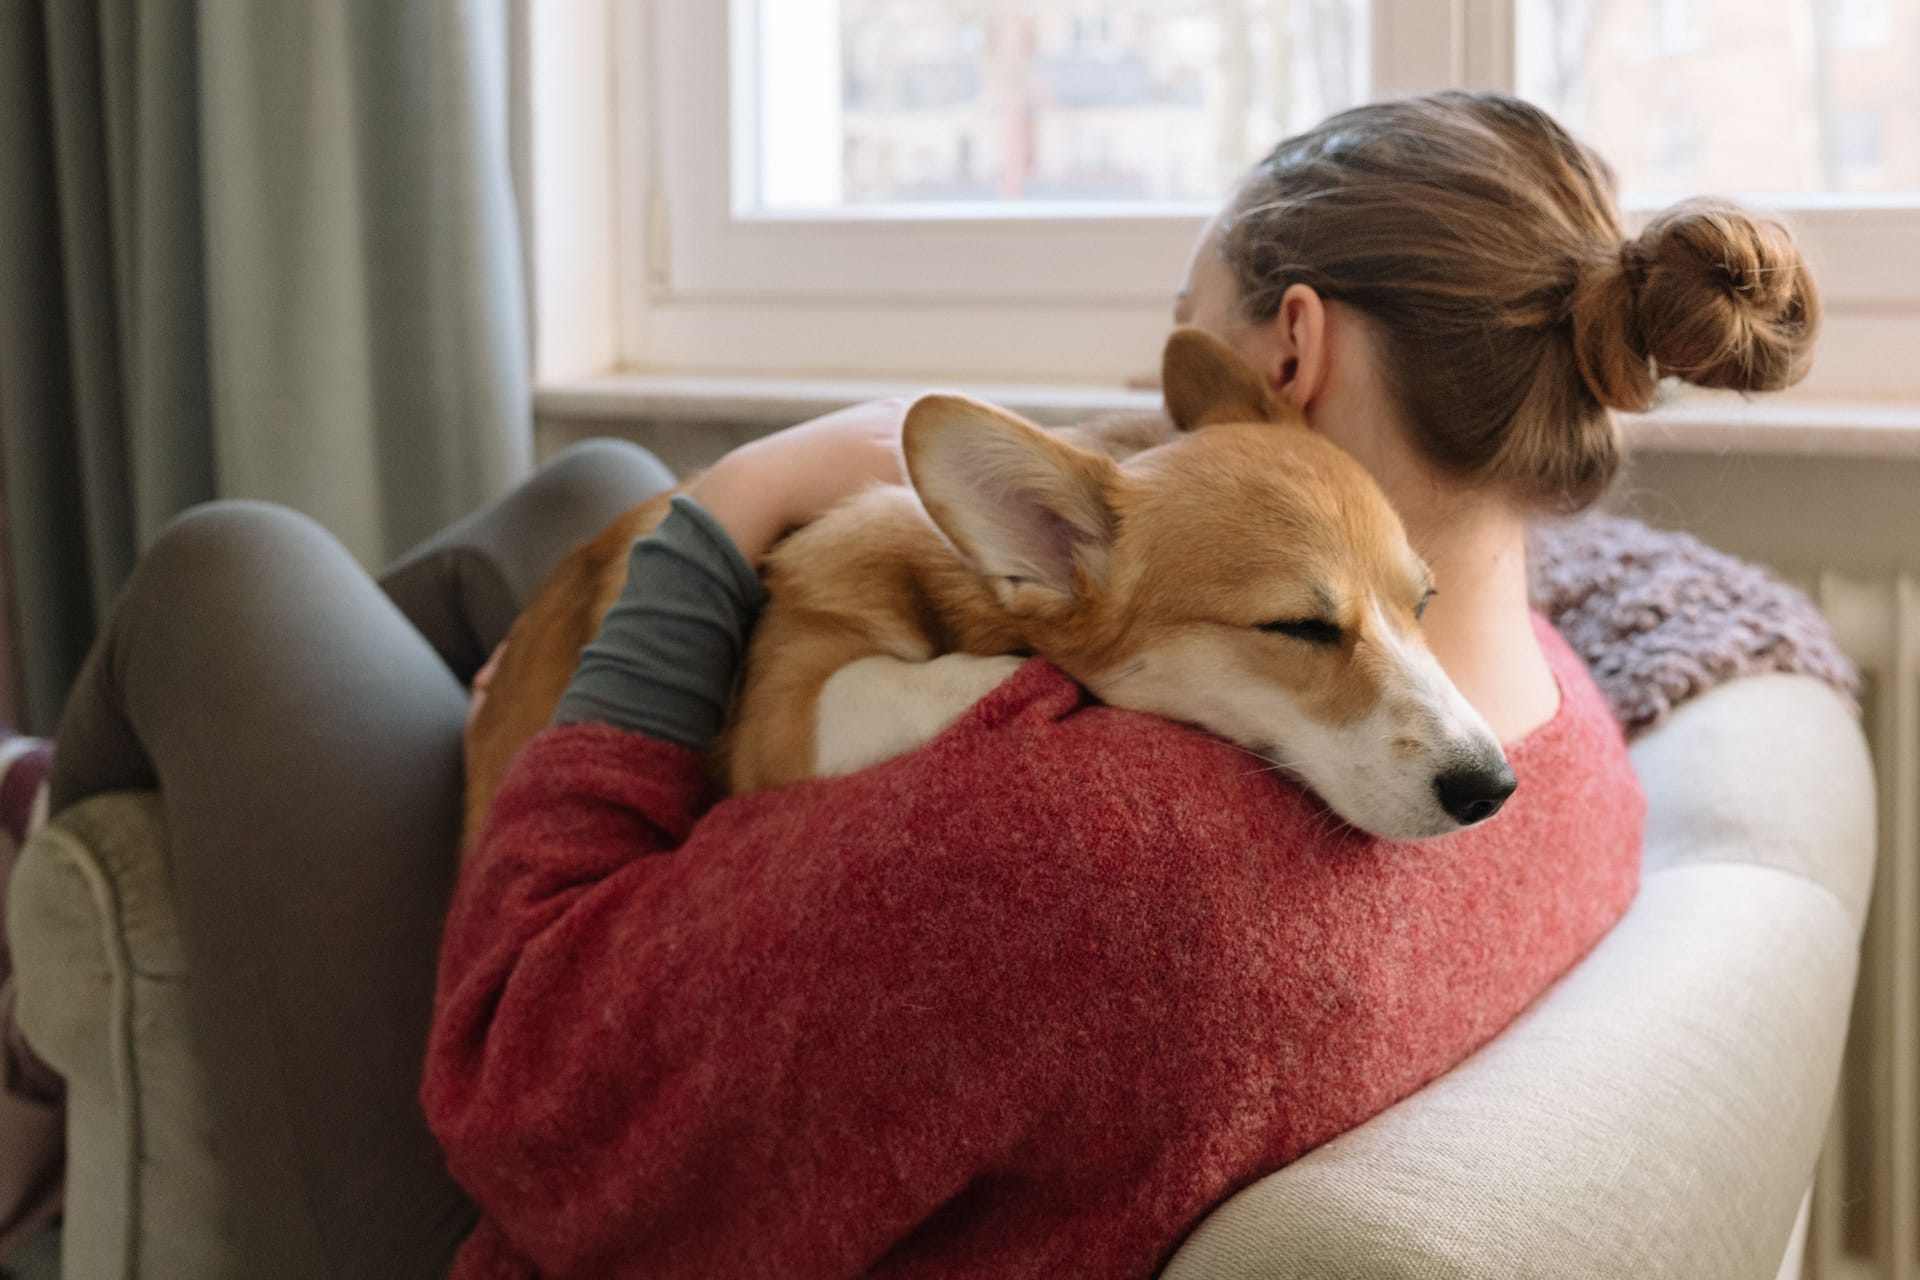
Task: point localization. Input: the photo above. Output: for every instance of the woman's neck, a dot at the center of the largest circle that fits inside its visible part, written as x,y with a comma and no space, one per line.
1473,538
1479,625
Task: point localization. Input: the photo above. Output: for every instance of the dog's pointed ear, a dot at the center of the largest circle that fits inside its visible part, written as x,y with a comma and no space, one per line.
1206,382
1026,510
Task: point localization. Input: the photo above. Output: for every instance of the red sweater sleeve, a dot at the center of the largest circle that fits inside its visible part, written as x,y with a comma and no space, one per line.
659,1059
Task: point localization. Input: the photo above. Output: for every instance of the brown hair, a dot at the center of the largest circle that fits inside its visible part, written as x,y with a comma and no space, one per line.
1484,242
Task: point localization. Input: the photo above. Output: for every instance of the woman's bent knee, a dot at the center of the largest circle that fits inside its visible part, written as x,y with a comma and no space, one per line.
202,546
231,591
573,497
214,562
201,612
464,586
607,465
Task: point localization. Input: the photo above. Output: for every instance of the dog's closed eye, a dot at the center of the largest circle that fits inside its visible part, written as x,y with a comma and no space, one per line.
1315,631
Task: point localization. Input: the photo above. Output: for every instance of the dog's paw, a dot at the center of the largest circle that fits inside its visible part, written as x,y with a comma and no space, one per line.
877,708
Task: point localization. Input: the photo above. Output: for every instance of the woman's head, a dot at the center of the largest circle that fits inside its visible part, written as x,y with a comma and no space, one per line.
1506,309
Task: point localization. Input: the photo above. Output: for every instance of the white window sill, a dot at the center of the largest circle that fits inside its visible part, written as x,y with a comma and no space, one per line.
690,399
1780,425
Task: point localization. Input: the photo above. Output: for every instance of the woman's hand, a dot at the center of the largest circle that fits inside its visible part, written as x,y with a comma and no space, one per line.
482,681
762,490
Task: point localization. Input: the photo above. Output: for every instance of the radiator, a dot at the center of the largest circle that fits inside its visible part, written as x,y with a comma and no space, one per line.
1864,1222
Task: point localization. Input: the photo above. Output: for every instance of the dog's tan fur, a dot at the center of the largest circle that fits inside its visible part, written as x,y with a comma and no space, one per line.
542,648
1159,551
871,544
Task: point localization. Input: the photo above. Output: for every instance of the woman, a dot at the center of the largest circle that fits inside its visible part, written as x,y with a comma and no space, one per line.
1029,1001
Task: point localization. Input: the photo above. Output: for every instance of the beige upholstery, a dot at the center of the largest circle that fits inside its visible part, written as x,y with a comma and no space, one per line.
1655,1115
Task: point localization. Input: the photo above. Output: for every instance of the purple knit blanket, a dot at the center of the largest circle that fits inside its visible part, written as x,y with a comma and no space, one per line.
1661,617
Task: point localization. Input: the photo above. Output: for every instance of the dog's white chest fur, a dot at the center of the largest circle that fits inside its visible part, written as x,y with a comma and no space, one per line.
880,707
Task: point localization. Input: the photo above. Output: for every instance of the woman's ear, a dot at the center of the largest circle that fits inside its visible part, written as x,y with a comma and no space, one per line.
1299,362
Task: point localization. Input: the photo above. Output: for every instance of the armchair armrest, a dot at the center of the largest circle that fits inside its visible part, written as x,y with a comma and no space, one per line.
1657,1113
102,996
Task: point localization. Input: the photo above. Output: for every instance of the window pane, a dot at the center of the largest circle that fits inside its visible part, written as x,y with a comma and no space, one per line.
1694,96
864,102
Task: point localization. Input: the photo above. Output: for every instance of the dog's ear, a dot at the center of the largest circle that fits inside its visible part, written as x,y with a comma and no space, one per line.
1026,510
1206,382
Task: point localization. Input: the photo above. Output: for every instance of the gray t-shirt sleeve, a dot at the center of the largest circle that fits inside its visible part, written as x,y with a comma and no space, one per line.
664,660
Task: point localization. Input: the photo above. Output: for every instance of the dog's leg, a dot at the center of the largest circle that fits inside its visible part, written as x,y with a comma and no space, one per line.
880,707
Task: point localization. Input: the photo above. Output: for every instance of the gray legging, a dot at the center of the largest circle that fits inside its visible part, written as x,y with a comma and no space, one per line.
303,725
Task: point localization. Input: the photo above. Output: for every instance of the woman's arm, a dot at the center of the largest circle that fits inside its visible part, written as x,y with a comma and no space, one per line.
776,484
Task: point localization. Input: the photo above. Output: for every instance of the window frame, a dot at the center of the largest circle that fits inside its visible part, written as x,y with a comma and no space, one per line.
1057,295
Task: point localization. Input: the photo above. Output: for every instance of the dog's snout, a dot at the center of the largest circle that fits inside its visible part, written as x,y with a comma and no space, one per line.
1474,794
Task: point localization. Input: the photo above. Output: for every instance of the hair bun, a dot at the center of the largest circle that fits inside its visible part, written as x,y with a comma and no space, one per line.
1727,300
1708,293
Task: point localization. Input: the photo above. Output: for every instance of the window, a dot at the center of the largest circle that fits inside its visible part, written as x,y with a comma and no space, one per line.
1055,101
1674,151
1857,24
1675,26
1855,145
945,189
1767,112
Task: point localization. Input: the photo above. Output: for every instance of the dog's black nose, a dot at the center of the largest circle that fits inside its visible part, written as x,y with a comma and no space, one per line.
1474,795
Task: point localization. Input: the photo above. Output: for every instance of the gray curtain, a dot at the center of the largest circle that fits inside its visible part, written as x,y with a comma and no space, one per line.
248,248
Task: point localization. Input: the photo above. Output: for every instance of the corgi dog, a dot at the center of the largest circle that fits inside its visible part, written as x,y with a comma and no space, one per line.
1225,567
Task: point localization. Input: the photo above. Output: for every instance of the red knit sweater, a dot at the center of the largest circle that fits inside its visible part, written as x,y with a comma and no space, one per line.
1026,1002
